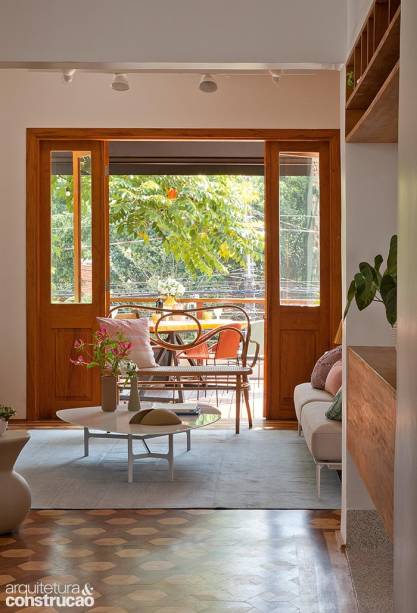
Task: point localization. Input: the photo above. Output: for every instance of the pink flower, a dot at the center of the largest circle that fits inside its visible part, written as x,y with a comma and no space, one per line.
101,335
79,344
79,361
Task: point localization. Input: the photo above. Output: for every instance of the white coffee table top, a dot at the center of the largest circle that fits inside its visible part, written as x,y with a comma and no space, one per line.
117,422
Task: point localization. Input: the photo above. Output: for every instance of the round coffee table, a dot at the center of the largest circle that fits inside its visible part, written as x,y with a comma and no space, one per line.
116,425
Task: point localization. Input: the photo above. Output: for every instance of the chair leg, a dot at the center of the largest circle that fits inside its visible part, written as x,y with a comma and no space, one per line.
318,478
238,394
299,429
247,403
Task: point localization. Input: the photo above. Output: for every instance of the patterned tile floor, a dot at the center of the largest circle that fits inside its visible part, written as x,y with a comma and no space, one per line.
184,561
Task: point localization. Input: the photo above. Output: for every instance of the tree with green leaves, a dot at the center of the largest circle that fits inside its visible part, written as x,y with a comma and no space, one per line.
203,224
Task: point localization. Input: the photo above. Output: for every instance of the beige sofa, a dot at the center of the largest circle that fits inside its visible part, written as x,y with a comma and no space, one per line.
323,436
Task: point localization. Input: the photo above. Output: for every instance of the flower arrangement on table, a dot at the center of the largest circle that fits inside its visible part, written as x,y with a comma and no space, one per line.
108,353
105,352
169,288
5,414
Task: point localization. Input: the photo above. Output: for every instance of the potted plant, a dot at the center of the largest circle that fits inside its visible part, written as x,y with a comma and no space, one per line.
106,353
370,285
5,414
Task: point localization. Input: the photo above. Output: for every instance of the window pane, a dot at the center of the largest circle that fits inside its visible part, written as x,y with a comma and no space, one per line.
299,214
71,259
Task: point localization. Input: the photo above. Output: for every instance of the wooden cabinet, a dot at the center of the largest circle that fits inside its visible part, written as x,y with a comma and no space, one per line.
372,77
371,415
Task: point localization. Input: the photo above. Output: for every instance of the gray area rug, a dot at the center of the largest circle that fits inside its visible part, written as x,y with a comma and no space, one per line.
259,469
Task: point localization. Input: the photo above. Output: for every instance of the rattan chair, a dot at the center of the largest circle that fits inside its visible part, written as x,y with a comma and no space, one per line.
192,376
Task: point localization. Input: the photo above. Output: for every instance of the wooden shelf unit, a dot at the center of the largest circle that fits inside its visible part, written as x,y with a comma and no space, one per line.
372,103
371,419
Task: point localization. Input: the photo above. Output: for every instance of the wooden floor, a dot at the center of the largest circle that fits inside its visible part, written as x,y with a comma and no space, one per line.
184,561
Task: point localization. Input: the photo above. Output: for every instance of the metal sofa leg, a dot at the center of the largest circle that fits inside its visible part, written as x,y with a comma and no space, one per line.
318,478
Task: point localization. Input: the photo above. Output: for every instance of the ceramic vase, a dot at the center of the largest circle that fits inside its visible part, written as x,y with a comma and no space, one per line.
108,393
15,503
134,402
169,302
3,425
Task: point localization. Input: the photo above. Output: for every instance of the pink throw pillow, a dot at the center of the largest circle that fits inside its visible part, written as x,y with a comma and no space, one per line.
323,366
136,331
334,379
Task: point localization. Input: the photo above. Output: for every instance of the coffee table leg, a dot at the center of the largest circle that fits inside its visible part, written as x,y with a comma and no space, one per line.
188,440
86,441
129,459
171,455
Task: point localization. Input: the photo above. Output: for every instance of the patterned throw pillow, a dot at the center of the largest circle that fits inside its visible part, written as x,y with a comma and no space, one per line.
136,331
335,409
323,366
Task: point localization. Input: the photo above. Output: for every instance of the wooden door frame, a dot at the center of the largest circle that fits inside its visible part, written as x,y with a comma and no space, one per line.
36,135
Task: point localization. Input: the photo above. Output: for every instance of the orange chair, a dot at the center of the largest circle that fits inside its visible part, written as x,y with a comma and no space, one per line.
226,348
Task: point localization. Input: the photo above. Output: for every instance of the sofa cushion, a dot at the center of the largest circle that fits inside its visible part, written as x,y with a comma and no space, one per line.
323,436
305,393
323,366
136,331
334,378
335,409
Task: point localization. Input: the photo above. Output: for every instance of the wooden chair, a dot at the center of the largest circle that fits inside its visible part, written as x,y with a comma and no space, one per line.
196,377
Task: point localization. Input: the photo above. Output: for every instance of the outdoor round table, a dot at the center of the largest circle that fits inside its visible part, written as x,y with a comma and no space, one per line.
116,425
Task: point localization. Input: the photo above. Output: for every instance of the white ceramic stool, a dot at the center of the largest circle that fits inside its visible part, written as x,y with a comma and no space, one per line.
15,492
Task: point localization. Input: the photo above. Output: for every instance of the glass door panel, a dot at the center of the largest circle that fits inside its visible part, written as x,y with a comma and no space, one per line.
71,227
299,229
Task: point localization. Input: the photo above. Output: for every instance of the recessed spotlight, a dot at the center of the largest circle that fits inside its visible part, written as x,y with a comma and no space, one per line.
207,84
68,75
120,83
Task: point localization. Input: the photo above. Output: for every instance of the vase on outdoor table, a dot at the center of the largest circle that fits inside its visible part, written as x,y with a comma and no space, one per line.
169,302
108,393
134,402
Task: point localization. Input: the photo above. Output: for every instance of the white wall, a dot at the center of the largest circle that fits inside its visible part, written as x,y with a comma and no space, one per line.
405,503
369,218
32,99
190,31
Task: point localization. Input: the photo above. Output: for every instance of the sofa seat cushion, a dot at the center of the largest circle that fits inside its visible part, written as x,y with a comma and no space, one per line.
323,436
305,393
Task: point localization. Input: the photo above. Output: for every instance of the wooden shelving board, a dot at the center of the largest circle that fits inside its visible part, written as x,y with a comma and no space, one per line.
379,123
382,61
371,422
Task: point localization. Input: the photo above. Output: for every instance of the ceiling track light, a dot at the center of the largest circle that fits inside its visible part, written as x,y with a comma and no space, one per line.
68,75
276,77
120,82
208,84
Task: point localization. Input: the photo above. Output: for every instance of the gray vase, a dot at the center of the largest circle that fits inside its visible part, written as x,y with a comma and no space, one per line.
134,402
108,393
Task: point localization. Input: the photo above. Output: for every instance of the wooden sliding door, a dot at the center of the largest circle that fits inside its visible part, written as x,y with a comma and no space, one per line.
72,276
302,266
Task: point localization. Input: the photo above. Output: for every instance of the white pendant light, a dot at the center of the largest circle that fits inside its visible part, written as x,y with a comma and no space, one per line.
208,84
120,83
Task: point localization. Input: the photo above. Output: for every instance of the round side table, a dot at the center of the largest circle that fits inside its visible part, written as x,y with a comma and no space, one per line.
16,497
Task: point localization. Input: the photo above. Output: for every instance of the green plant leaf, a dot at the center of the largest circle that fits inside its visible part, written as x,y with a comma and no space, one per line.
388,292
392,257
369,273
365,291
377,262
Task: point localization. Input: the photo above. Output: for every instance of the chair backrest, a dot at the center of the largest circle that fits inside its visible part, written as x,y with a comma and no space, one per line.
227,347
258,334
241,329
